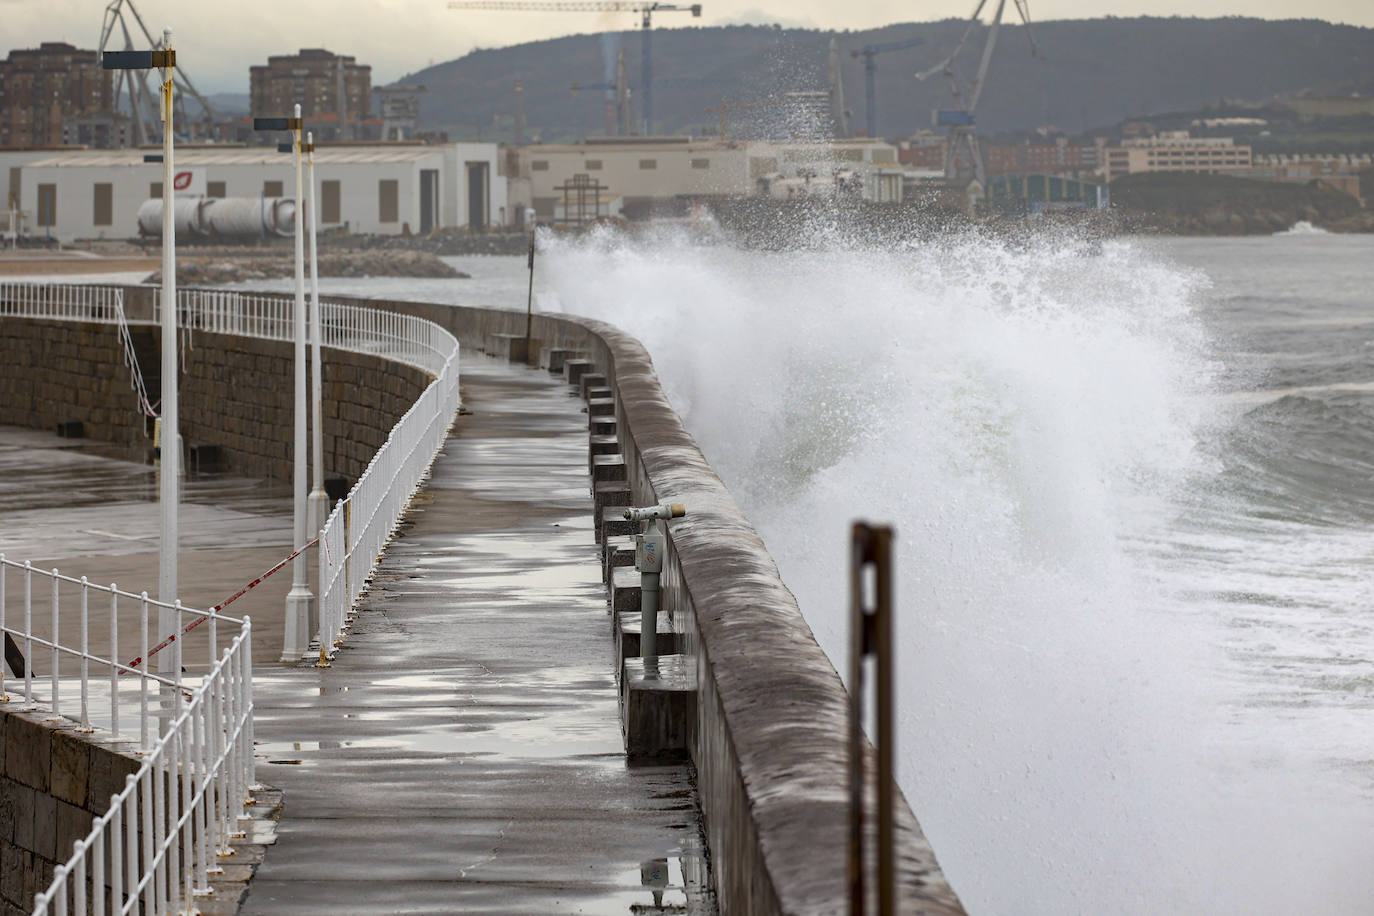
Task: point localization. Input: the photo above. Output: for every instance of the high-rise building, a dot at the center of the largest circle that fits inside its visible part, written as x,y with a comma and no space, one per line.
42,88
334,91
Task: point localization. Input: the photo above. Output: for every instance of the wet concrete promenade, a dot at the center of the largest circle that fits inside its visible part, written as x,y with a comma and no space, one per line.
463,753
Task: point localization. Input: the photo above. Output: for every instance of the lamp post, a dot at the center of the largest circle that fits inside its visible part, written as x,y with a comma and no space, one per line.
300,603
319,501
170,457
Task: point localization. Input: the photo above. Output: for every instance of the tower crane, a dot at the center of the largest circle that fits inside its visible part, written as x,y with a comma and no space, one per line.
645,8
963,158
617,98
135,82
869,53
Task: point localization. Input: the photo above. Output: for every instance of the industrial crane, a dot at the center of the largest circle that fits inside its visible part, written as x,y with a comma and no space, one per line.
869,52
645,9
962,142
136,86
617,98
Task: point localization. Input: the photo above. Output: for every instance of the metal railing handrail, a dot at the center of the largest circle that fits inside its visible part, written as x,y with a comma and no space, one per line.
348,555
163,844
356,532
391,335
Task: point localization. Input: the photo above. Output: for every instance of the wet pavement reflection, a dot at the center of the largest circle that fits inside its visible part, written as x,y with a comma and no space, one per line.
463,753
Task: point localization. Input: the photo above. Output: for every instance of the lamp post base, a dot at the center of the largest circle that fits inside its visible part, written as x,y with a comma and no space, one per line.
300,607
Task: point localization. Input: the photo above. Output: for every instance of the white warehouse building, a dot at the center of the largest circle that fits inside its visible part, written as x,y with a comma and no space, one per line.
383,189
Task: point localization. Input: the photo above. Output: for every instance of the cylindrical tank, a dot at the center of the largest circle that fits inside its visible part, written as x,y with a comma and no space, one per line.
223,216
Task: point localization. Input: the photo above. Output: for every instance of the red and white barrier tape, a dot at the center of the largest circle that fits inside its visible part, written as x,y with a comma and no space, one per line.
223,604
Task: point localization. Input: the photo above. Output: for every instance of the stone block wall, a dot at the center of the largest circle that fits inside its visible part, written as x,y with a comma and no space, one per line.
53,371
54,783
236,393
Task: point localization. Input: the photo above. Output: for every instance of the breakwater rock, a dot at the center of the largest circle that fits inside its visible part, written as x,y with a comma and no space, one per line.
444,242
241,266
1180,203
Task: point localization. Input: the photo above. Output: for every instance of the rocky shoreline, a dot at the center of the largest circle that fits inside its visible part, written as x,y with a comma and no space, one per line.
236,265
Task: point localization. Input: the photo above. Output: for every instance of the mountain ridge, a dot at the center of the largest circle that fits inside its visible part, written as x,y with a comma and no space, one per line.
1090,72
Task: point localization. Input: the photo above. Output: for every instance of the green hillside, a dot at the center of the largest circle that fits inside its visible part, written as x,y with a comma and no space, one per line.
1088,73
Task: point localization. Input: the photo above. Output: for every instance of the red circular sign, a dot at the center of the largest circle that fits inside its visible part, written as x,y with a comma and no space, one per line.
181,181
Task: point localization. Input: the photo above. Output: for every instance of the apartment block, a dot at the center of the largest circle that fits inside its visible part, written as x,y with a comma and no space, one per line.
42,88
333,90
1176,151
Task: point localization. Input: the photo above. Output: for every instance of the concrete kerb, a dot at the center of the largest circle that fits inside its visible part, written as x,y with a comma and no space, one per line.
769,739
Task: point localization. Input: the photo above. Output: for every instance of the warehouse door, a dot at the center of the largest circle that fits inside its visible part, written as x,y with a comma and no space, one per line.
477,195
429,199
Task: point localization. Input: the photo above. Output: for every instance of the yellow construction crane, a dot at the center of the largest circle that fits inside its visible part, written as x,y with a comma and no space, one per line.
724,108
645,10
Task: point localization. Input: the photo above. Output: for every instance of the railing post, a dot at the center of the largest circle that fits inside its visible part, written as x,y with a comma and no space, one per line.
85,655
114,660
28,634
53,658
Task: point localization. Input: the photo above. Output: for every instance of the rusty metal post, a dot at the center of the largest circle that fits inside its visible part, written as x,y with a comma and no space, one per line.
870,636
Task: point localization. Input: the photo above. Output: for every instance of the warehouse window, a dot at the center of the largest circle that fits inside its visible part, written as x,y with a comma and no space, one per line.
540,165
648,163
701,163
215,189
388,190
14,186
104,205
155,190
47,205
593,165
271,189
329,202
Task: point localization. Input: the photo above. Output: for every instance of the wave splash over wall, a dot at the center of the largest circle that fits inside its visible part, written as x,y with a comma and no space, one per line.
1035,418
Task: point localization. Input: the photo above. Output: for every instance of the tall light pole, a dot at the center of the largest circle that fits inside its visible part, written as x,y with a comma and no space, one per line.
170,458
300,603
319,501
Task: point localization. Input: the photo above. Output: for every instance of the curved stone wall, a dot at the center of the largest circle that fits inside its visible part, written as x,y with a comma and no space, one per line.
237,393
770,742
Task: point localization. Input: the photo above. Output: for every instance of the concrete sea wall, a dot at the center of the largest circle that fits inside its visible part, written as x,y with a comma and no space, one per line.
769,743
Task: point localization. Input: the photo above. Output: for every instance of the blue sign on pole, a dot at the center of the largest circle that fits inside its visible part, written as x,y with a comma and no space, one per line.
953,117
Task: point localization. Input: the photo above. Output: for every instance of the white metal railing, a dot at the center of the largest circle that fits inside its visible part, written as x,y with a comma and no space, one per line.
353,537
61,301
210,736
359,329
161,837
356,328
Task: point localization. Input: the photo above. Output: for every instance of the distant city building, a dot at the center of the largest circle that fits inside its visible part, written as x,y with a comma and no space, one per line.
657,175
1027,158
334,91
1175,151
1338,170
40,89
400,111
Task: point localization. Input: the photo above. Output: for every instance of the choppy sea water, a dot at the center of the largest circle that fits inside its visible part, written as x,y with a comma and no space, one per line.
1133,495
1132,490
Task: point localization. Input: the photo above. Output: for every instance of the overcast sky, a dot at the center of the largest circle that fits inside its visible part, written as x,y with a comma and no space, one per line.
217,42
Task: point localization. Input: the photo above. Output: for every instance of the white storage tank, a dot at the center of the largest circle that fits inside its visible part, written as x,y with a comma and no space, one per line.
226,217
